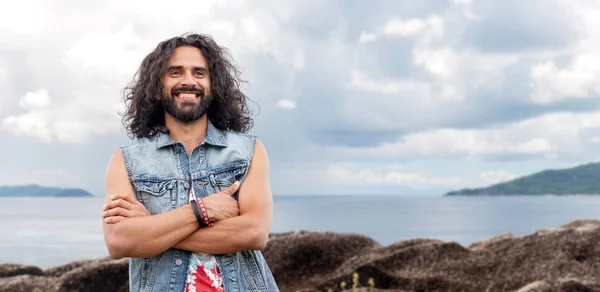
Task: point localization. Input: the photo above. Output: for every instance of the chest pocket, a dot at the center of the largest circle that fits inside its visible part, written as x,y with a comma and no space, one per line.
223,177
157,197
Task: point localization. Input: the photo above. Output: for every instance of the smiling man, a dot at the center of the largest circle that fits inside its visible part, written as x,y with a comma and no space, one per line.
189,202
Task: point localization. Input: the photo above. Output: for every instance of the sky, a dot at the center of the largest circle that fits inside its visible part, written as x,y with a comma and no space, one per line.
349,97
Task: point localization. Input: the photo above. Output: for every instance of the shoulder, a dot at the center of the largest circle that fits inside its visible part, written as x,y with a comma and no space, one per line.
128,155
141,143
237,137
240,142
249,145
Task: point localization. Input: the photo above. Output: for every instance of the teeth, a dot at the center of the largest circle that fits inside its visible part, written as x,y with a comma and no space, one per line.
187,95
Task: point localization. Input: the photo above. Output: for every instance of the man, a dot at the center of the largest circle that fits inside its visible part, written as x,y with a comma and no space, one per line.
189,202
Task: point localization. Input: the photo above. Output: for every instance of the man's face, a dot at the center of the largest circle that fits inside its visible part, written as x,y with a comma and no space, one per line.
186,85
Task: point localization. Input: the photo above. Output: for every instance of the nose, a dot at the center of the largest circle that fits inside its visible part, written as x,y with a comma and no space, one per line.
188,80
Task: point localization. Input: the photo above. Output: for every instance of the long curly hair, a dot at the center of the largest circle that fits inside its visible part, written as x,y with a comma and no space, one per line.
144,116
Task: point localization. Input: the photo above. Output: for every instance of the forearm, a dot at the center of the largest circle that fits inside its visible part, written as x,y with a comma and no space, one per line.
244,232
150,235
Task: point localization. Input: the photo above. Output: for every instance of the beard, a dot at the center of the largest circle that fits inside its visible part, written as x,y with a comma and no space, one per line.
186,112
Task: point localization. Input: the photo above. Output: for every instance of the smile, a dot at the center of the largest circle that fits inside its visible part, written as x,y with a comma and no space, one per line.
187,95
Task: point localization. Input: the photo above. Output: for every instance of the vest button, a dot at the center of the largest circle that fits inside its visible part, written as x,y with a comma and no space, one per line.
156,189
176,148
178,262
186,185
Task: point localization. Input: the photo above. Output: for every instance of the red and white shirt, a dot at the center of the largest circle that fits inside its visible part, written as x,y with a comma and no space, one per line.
203,272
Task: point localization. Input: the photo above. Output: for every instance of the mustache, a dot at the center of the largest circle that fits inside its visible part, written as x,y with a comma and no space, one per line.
177,90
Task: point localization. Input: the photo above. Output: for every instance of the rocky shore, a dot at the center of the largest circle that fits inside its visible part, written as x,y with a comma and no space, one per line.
561,259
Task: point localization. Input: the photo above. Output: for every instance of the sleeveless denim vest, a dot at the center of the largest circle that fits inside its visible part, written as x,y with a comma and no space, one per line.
162,174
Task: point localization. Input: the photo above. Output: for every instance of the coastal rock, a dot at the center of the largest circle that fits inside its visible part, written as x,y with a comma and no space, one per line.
9,270
566,258
112,275
483,244
62,269
301,259
86,275
27,283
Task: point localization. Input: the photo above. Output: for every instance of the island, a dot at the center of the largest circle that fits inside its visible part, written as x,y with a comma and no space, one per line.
41,191
580,180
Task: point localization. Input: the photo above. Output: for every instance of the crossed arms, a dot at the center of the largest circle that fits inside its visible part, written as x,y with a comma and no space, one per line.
130,230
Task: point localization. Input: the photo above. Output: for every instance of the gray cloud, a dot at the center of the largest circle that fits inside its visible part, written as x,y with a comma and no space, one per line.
522,26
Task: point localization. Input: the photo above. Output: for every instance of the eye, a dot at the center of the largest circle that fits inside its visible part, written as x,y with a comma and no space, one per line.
200,72
175,73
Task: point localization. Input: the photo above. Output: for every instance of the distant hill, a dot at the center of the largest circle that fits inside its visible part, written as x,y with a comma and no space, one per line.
41,191
580,180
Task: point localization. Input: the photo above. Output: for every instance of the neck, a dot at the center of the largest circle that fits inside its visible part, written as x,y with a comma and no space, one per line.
190,134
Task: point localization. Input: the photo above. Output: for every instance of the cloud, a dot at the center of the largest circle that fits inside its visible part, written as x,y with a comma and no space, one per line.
286,104
573,72
372,84
552,135
369,176
73,122
361,81
455,143
466,7
11,21
431,26
35,99
496,176
579,80
33,124
110,54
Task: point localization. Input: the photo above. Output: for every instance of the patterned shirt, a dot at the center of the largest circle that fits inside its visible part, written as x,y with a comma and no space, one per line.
203,272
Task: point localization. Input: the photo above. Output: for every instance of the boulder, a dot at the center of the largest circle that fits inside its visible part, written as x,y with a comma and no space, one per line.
566,258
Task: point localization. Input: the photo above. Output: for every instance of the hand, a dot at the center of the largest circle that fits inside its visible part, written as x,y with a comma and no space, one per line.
121,207
221,205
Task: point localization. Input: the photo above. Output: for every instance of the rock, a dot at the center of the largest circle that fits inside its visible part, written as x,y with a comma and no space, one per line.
301,258
566,258
27,283
113,275
61,270
9,270
493,240
560,285
88,275
503,263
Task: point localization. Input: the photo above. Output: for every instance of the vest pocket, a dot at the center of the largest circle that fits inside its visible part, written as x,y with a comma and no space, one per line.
156,196
223,177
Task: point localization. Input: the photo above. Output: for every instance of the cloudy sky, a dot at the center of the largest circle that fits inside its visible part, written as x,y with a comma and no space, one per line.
350,97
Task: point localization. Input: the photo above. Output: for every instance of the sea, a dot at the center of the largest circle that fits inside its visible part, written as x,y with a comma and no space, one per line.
47,232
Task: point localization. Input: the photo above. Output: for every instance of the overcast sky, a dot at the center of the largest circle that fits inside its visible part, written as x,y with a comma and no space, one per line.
350,97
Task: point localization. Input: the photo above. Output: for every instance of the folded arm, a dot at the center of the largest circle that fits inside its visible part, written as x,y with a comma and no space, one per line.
141,236
248,231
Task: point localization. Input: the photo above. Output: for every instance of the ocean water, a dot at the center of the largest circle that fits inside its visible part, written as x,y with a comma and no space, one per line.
53,231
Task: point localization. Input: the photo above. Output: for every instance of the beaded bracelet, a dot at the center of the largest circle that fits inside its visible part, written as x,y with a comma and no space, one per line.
203,212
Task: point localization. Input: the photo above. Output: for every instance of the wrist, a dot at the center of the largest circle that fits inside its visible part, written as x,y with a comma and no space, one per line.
198,213
204,212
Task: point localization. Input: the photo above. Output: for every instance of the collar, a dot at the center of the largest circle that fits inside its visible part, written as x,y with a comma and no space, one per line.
214,137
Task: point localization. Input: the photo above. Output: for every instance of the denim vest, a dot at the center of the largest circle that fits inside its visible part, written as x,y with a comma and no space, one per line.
162,174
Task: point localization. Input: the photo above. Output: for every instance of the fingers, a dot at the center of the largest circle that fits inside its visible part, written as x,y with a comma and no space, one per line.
118,211
117,203
114,219
128,198
232,188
